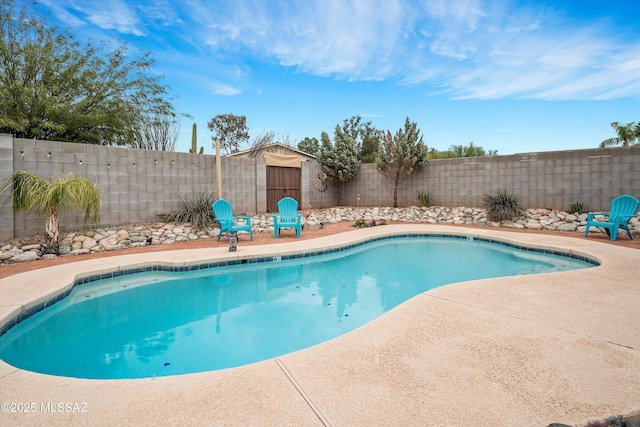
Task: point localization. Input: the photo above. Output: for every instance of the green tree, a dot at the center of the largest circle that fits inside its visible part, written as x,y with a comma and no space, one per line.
309,145
402,154
370,145
339,160
53,87
366,136
434,154
627,134
470,150
456,151
231,130
33,195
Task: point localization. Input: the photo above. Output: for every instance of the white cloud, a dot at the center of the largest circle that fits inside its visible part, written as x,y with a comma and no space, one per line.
450,23
475,49
108,15
208,75
224,89
514,52
62,14
354,40
456,14
619,78
162,11
114,15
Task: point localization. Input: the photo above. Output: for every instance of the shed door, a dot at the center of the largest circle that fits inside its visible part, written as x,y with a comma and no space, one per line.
282,182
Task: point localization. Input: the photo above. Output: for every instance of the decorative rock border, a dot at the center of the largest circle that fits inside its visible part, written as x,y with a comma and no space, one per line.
131,236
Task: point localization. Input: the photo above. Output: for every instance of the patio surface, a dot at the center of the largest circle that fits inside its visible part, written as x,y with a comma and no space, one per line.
514,351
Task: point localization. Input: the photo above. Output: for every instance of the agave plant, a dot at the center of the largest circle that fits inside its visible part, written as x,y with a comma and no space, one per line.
501,205
34,195
196,210
578,208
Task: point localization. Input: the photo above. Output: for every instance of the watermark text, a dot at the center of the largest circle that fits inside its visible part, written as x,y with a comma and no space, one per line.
39,407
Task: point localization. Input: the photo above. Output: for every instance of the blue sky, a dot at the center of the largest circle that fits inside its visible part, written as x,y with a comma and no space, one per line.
510,75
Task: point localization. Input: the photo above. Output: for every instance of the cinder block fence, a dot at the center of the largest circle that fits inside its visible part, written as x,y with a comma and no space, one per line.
138,185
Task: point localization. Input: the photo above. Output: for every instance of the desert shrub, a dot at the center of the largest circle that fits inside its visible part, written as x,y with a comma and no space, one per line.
361,223
424,199
501,205
578,208
196,210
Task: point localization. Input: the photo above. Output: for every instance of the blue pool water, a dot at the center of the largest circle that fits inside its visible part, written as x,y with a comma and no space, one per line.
168,323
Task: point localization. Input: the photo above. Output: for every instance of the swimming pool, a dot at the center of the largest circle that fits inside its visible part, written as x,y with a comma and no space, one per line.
155,324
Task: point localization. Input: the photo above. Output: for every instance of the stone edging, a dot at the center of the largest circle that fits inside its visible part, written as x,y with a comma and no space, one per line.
131,236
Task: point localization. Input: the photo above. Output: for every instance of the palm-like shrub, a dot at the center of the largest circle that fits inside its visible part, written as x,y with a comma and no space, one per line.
627,134
34,195
196,210
501,205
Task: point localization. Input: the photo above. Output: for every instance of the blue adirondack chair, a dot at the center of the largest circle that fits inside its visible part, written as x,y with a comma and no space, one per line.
224,216
287,216
623,208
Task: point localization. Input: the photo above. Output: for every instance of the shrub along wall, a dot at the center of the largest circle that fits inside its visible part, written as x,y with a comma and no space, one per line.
138,185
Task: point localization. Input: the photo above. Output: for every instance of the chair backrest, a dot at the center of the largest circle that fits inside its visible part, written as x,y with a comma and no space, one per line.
287,209
624,206
223,212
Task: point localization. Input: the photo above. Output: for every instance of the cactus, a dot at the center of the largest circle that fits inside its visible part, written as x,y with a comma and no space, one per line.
194,141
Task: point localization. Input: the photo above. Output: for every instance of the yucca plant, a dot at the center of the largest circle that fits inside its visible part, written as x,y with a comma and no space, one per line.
578,208
196,210
34,195
501,205
424,199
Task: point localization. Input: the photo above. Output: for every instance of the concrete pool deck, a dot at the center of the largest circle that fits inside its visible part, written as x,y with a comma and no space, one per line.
515,351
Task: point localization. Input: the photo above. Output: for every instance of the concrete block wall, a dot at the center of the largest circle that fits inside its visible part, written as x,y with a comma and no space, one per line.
239,184
6,169
138,185
543,180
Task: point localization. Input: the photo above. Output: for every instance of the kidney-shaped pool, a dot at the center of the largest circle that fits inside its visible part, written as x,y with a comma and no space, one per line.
162,322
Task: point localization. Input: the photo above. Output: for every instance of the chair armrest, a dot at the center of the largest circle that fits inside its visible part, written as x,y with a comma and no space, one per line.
592,214
246,218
